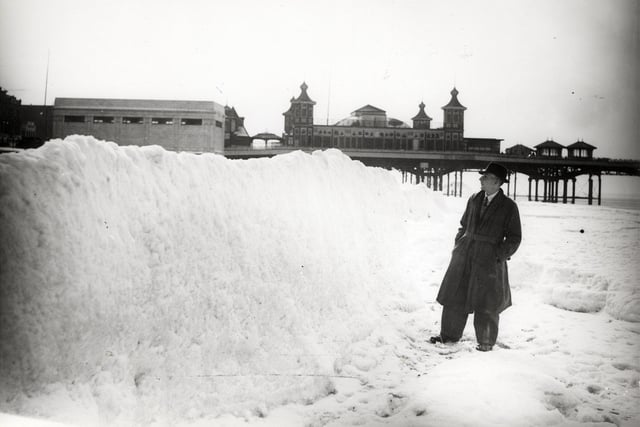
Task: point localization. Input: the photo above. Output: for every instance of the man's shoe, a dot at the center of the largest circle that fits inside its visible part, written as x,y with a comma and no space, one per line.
484,347
438,338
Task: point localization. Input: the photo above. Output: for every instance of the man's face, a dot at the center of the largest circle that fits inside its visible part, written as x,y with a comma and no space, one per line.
490,183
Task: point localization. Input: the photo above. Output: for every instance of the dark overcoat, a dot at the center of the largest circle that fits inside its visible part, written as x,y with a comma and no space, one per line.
477,277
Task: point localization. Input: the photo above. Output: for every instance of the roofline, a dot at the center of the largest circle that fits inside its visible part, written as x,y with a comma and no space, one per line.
550,144
581,143
378,127
84,107
371,108
483,139
111,104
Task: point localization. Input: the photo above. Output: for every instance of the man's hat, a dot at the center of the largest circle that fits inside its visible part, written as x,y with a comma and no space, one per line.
497,170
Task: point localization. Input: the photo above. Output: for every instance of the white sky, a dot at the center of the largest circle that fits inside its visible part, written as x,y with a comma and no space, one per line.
526,70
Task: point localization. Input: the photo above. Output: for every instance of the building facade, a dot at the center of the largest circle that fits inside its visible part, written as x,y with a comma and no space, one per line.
369,127
196,126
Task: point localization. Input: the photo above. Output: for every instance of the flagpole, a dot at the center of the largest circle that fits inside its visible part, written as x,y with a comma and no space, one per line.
46,81
44,106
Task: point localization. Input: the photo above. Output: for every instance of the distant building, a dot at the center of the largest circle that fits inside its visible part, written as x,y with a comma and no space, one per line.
36,125
9,119
268,139
549,148
235,134
175,125
369,127
520,151
580,150
23,126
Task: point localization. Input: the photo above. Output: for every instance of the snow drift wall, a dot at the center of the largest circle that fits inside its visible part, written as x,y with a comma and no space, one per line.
152,285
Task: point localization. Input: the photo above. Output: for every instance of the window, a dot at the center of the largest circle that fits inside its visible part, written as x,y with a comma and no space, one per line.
191,122
218,124
161,121
102,119
74,119
132,120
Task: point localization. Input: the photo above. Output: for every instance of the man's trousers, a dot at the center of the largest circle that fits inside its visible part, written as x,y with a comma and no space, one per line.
454,321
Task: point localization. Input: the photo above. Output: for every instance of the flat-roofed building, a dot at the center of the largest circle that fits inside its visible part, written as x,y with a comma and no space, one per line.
196,126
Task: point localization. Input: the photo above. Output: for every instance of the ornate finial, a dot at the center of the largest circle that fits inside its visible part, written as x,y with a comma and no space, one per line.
454,103
304,86
421,105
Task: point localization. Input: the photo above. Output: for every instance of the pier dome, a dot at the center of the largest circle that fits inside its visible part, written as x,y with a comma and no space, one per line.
370,116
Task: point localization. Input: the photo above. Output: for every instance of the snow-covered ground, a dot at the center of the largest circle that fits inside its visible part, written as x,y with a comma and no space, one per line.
144,287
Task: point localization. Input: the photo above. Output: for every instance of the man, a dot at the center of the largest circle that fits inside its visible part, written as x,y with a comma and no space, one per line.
476,280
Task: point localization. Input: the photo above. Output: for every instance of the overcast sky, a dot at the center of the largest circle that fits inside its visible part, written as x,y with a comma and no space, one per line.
525,70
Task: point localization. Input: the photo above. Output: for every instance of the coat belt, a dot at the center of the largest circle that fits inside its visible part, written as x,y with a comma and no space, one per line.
481,238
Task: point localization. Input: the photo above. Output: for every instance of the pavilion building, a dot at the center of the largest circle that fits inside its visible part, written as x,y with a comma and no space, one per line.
580,150
369,127
549,148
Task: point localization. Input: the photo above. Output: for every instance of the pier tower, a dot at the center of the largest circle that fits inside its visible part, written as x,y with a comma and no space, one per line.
298,119
421,120
454,123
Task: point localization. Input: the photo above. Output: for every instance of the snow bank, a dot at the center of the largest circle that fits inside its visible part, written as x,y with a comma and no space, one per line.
580,258
141,285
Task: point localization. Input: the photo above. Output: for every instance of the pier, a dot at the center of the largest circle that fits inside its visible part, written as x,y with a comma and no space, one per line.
551,179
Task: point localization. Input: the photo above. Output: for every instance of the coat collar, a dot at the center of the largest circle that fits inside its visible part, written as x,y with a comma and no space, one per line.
480,195
498,195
